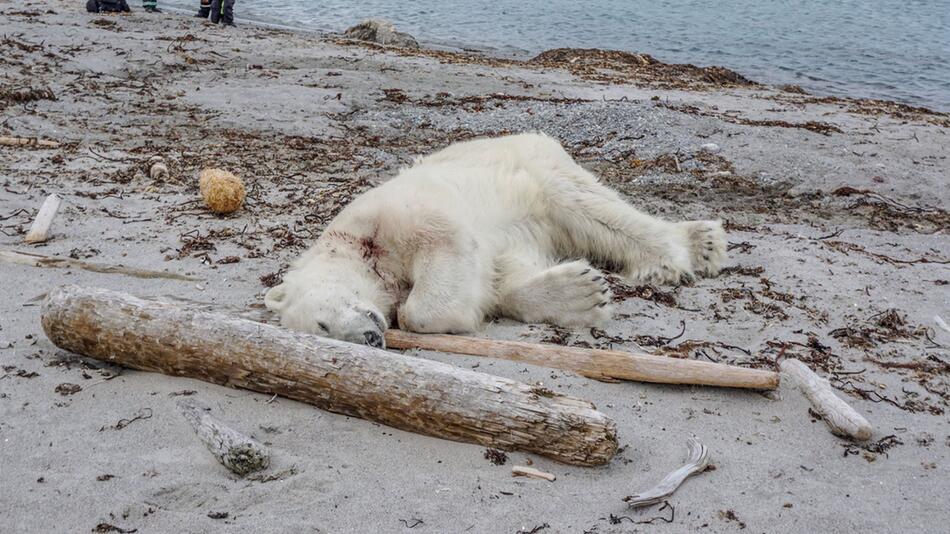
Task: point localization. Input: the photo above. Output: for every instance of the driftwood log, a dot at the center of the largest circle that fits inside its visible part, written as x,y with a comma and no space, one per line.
39,231
241,454
840,417
409,393
592,363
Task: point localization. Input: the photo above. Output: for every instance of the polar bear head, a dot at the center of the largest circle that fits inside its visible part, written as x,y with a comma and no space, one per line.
330,299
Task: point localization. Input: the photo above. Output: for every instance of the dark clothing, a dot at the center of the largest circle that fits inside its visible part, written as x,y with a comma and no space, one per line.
222,11
204,9
107,6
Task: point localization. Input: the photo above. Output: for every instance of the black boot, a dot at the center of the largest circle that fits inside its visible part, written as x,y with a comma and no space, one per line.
215,9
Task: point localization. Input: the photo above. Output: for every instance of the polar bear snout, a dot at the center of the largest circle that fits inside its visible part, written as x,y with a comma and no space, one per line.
374,339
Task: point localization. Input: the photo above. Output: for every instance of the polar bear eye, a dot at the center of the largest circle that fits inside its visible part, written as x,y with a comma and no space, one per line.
323,326
376,319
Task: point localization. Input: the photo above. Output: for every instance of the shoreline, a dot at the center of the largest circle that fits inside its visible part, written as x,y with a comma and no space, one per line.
817,84
511,53
838,237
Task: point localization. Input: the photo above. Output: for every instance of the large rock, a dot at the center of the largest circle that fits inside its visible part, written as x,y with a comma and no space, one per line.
382,32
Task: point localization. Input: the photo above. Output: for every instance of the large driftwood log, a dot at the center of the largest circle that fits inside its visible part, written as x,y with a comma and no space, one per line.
413,394
837,414
592,363
241,454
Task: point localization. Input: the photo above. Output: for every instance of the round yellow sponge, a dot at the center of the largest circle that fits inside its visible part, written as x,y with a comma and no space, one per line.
222,191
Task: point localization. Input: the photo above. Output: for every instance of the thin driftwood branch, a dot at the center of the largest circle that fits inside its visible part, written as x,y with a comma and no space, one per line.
592,363
413,394
39,260
241,454
27,141
840,417
696,462
39,231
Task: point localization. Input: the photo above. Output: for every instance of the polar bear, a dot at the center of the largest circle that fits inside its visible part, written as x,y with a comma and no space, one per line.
509,226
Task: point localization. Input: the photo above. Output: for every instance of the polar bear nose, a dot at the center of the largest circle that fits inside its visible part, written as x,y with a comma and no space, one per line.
373,339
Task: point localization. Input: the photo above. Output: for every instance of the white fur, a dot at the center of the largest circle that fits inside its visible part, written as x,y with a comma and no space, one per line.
506,226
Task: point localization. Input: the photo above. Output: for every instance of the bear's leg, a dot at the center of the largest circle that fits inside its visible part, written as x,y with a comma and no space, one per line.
568,294
598,224
451,291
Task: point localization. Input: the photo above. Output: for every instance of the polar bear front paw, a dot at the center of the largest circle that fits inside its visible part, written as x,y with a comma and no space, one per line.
569,294
707,246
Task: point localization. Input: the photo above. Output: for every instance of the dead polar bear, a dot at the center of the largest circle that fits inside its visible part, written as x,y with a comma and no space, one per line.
506,226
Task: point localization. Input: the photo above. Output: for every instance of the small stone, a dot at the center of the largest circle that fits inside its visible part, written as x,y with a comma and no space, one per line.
711,148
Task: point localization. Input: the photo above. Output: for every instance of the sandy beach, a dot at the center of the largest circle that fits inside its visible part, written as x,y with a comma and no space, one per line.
839,245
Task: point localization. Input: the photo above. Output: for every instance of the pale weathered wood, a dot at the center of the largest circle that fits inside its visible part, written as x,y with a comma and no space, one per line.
39,260
27,141
593,363
413,394
697,461
39,231
241,454
840,417
157,169
525,471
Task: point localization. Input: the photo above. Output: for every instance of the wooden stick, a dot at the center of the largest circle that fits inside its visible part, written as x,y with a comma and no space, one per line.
39,231
524,471
27,141
241,454
38,260
413,394
837,414
592,363
696,462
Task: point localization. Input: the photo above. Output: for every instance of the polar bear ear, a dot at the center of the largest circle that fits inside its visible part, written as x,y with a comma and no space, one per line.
275,298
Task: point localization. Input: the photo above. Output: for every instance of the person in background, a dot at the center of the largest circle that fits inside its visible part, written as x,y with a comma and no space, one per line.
222,11
204,9
151,6
107,6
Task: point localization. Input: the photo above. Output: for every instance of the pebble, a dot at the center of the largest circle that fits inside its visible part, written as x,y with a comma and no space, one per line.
712,148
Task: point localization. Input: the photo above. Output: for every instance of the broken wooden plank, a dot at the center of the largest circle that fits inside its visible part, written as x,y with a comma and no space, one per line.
39,231
525,471
409,393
